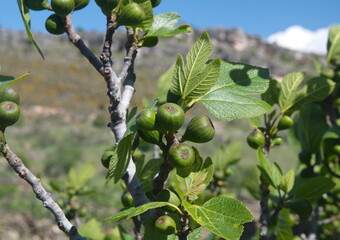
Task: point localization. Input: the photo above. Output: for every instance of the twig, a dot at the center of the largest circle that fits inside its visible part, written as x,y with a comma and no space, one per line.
265,215
18,166
78,42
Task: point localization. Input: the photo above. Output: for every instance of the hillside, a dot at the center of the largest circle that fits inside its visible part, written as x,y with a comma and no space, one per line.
65,77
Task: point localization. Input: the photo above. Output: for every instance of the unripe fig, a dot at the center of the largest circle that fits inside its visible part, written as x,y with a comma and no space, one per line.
146,120
336,149
170,117
107,5
181,155
285,123
127,199
106,157
172,98
305,157
276,141
36,5
255,139
54,25
131,15
199,130
9,94
149,42
62,7
153,137
166,195
166,225
155,3
79,4
9,114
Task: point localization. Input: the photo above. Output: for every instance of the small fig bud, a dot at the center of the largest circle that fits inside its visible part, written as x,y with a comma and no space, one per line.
285,123
9,114
336,149
54,25
166,225
153,137
9,94
127,199
146,120
255,139
106,157
200,130
170,117
62,7
131,15
181,155
276,141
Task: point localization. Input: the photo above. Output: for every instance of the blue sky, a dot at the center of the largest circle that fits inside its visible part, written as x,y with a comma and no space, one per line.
259,17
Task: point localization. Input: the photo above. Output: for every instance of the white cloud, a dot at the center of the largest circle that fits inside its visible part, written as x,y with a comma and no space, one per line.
301,39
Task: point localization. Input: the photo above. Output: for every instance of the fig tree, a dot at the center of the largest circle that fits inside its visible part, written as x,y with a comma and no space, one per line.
107,5
146,120
131,15
170,117
9,114
149,42
285,123
166,195
79,4
181,155
54,25
165,225
36,5
255,139
127,199
62,7
153,137
199,130
9,94
155,3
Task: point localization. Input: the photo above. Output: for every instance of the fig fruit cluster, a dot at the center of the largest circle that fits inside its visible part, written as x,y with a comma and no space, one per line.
9,107
166,121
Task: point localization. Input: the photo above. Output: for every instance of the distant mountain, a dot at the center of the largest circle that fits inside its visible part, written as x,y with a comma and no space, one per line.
65,76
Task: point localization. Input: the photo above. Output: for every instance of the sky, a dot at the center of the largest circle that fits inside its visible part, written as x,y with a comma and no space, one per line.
299,24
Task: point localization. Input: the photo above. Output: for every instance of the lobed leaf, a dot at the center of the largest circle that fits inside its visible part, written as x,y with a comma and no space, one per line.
220,215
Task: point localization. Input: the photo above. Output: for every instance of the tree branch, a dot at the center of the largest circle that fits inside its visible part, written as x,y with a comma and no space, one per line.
78,42
18,166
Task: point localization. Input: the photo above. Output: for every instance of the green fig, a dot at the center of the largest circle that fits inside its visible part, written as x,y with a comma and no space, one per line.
9,94
336,149
181,155
155,3
285,123
107,5
106,157
54,25
165,225
127,199
199,130
80,4
146,120
153,137
166,195
9,114
131,15
36,5
276,141
170,117
255,139
62,7
149,42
